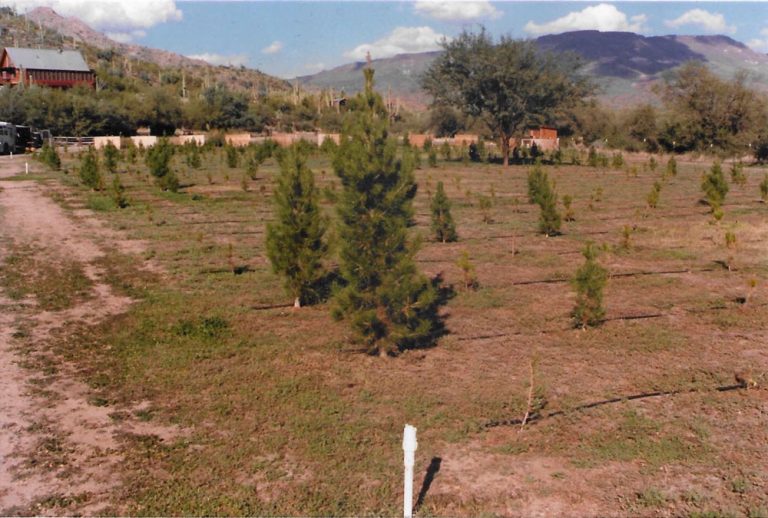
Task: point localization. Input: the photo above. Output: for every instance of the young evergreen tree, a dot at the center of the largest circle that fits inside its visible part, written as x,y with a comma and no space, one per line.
111,155
672,166
536,178
589,282
764,188
295,244
89,171
159,163
390,304
442,221
549,218
50,157
715,187
653,196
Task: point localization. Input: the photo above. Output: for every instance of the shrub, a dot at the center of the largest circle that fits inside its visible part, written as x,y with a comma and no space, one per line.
730,239
589,282
617,161
233,156
652,164
442,222
764,188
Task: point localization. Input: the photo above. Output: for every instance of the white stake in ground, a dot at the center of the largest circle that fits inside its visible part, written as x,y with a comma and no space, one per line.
409,455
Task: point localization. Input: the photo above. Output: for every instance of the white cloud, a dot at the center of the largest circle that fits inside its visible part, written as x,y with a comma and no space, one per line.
272,48
401,40
122,19
601,17
235,60
758,45
710,22
456,10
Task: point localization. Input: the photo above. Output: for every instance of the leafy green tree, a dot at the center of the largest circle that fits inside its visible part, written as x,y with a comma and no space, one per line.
442,221
89,171
589,282
111,155
159,162
715,187
710,114
295,241
389,303
509,85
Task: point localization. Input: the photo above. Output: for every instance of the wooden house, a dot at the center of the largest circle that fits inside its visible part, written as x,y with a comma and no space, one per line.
45,67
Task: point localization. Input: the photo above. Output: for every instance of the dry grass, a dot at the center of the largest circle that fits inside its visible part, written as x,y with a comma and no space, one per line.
286,418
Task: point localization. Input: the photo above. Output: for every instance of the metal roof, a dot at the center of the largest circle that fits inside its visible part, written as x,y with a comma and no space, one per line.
47,59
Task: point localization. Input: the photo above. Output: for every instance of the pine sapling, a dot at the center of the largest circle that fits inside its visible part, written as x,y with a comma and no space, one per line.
111,155
567,204
549,218
443,226
589,283
715,187
468,271
653,196
295,240
672,167
737,174
652,164
118,193
764,188
89,171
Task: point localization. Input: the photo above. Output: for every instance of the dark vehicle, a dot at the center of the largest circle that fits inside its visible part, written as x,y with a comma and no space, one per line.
23,139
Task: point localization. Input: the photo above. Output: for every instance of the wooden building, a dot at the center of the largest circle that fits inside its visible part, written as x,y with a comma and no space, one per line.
45,67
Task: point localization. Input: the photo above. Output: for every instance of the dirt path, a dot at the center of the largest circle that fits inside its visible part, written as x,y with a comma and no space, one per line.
57,450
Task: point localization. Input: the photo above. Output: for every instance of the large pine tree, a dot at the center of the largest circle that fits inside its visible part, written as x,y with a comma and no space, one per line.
388,302
295,244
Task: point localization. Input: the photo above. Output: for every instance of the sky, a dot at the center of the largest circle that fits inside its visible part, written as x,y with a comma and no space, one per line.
291,38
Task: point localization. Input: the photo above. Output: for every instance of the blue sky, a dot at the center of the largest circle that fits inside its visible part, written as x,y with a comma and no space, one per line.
289,38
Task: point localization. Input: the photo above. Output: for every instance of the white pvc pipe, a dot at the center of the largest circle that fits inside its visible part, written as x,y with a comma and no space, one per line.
26,167
409,454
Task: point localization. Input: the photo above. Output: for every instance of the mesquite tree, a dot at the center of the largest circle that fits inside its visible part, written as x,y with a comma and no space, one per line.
389,303
295,244
442,222
507,84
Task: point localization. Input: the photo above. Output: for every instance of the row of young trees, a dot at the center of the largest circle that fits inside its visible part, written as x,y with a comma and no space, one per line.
388,302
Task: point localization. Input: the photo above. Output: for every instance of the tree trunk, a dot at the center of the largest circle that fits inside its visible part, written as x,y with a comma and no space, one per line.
505,148
297,303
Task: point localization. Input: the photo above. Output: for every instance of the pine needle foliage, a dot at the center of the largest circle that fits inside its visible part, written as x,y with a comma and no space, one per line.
443,226
714,186
159,162
50,157
111,155
89,171
589,282
295,241
390,305
542,192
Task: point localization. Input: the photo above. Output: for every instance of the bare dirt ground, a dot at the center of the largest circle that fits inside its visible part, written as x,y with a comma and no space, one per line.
58,448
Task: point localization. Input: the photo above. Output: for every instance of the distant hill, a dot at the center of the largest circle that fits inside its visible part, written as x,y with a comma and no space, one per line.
44,27
624,65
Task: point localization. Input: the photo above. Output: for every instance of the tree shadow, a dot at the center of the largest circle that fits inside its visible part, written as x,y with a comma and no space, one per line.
429,477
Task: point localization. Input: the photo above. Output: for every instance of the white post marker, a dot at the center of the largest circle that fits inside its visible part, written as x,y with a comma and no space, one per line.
26,167
409,453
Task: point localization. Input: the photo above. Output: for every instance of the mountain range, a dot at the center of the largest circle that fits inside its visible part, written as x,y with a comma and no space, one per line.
624,65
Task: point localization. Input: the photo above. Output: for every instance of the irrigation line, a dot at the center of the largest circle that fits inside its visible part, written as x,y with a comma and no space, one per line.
587,406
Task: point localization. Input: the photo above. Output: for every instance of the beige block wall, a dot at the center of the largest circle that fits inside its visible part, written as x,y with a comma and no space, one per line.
100,142
144,141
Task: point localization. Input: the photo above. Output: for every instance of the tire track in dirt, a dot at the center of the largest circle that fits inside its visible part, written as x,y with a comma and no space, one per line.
79,441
